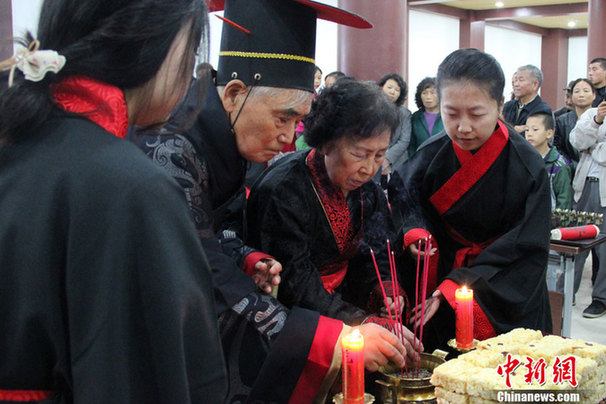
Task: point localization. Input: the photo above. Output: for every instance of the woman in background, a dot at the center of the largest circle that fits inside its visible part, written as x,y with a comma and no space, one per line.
300,129
582,94
426,121
395,87
106,293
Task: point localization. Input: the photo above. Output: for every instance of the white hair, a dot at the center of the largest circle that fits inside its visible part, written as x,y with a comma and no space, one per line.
295,96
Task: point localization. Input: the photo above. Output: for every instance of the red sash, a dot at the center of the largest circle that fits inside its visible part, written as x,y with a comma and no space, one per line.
24,395
473,167
466,255
337,213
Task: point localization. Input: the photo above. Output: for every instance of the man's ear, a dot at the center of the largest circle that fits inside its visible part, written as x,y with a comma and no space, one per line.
549,133
231,93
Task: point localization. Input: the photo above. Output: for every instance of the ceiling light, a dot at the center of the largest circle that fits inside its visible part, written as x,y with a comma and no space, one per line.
572,24
499,4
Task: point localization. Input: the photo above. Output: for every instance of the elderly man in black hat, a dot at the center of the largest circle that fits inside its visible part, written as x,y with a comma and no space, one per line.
263,87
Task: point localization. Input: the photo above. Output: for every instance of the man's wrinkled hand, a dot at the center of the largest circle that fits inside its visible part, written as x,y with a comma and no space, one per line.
267,274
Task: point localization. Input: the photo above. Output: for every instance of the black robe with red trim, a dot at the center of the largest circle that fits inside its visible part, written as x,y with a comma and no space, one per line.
506,212
272,354
106,295
286,218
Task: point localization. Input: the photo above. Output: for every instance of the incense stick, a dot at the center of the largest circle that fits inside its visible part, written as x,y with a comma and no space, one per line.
381,284
399,308
417,290
393,288
424,288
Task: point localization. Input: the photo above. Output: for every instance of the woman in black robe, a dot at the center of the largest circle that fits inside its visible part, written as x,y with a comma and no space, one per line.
319,213
106,293
482,192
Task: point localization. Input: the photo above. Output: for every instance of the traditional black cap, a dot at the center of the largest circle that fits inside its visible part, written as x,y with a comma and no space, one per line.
273,42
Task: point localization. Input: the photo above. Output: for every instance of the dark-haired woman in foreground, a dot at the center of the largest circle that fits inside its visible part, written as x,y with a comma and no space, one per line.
106,294
318,211
482,192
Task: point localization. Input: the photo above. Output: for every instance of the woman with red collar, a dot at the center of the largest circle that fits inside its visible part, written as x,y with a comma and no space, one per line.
106,293
318,212
482,192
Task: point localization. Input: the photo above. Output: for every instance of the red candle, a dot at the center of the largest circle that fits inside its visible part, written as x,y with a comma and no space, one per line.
353,368
464,322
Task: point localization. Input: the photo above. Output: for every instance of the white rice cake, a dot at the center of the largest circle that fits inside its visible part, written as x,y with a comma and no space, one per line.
451,396
515,336
452,375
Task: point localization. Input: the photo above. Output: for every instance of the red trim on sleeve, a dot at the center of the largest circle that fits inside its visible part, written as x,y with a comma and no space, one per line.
448,288
247,192
24,395
482,329
318,361
251,259
414,235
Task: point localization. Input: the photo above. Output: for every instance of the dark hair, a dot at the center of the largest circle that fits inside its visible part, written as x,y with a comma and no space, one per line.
422,86
473,65
400,81
547,119
317,69
119,42
601,61
577,81
349,108
336,74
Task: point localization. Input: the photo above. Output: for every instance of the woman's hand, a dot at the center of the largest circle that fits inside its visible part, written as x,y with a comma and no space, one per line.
413,250
382,346
431,307
267,274
392,307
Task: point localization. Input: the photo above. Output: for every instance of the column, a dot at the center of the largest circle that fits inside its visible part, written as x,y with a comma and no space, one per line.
368,54
6,29
554,64
596,30
464,33
477,34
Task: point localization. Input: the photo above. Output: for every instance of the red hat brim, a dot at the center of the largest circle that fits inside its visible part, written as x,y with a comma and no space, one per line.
324,12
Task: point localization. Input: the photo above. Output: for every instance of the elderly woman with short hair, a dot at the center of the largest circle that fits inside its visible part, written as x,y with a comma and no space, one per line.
318,212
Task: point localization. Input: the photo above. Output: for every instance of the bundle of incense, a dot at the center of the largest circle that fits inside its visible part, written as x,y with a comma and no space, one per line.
423,291
374,260
396,297
394,320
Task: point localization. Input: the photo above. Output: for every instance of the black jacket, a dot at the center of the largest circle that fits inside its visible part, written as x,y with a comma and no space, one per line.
511,107
561,139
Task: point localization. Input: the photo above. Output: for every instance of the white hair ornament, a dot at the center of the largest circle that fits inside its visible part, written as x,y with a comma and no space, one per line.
34,63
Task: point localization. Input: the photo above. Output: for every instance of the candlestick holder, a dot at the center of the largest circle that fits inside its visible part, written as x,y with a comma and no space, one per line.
453,344
368,399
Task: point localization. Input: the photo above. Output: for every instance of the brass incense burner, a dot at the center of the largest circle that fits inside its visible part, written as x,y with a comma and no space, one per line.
398,390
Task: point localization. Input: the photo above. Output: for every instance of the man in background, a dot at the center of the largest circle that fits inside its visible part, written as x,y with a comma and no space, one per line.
596,72
526,83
